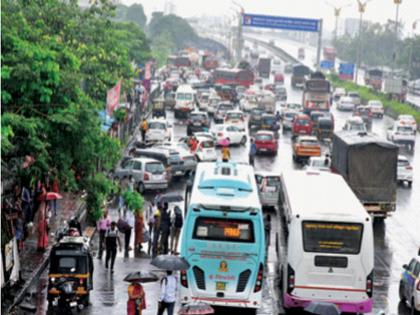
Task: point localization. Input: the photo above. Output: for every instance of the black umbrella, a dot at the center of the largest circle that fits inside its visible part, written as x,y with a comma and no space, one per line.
141,276
170,197
170,262
322,308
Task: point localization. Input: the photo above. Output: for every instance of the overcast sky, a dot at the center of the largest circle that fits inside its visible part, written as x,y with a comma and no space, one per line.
377,10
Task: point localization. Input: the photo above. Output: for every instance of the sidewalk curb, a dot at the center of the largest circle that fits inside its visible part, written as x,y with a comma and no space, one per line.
42,266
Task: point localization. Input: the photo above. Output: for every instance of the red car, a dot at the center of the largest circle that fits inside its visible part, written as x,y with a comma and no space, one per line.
266,142
302,125
279,77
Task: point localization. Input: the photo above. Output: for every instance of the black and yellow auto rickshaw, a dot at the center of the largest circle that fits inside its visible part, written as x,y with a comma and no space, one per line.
324,128
158,108
70,264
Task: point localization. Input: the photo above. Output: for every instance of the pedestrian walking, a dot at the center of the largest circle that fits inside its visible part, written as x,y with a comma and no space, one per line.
252,152
102,226
43,228
20,230
125,226
143,129
168,290
176,229
112,239
165,228
139,231
26,204
54,188
225,154
156,232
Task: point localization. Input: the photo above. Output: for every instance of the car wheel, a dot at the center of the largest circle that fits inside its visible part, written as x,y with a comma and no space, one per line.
243,140
413,308
401,292
141,188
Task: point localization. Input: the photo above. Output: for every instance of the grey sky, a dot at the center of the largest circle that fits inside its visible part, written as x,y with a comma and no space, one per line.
377,10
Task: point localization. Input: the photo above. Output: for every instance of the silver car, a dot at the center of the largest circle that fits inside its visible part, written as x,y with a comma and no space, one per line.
148,174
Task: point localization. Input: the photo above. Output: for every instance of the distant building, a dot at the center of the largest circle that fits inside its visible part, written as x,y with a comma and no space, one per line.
351,26
169,8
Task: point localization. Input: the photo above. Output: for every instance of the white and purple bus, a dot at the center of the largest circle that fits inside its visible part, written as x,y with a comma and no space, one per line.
329,243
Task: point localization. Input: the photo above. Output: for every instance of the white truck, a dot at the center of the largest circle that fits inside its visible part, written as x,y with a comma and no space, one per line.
395,88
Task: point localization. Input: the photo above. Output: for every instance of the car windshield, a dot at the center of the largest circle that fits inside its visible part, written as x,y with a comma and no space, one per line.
293,106
318,163
157,125
154,168
264,137
204,97
184,96
234,116
207,144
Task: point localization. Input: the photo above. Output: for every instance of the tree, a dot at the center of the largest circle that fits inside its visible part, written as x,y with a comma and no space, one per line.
135,14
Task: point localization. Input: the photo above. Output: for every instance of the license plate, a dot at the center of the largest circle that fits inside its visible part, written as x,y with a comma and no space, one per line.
178,173
196,124
302,131
157,177
220,286
263,149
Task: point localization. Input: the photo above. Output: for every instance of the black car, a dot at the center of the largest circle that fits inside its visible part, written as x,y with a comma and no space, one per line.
197,121
255,117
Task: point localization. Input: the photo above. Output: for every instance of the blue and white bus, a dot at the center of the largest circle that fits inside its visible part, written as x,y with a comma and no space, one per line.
223,238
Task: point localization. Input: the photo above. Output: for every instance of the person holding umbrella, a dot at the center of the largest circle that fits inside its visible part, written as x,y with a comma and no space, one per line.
252,152
169,287
225,154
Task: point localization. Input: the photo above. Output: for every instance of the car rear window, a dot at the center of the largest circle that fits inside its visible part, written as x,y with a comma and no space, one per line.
303,122
207,144
225,107
225,230
154,168
264,137
157,125
404,129
309,142
332,237
403,163
198,116
234,116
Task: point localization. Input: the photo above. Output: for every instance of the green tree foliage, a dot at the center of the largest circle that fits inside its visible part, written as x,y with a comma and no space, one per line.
58,62
162,47
134,201
378,46
133,13
181,33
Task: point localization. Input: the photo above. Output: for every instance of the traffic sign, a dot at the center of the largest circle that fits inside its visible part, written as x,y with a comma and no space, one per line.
346,71
280,22
327,64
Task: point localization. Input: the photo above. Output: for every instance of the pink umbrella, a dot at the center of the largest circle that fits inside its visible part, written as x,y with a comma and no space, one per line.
225,142
50,196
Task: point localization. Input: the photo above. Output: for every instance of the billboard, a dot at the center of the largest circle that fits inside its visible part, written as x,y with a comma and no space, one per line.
346,71
280,22
113,98
327,64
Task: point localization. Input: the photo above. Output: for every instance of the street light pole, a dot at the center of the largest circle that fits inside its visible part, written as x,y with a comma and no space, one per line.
337,12
239,44
394,51
362,9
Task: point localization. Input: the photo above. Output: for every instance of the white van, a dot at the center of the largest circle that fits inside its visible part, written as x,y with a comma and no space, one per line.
185,101
329,243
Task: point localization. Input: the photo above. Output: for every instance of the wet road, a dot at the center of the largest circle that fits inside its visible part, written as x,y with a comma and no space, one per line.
396,240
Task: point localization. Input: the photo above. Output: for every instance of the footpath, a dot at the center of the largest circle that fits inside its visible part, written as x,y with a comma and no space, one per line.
32,261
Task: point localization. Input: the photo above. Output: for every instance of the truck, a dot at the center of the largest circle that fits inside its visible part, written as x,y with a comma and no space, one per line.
395,88
264,67
299,75
373,77
368,163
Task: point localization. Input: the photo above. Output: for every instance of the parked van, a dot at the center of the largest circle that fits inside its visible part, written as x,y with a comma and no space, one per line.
185,101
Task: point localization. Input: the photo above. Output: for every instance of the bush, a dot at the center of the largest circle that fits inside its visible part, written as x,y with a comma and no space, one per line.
134,201
395,108
98,188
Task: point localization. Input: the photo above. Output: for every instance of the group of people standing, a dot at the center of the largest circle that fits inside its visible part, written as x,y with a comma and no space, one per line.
164,225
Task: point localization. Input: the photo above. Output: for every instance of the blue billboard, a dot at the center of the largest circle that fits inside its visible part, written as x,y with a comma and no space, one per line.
280,22
346,71
327,64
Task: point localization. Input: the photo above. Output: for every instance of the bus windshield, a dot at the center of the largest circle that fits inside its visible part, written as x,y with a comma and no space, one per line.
332,237
225,230
184,96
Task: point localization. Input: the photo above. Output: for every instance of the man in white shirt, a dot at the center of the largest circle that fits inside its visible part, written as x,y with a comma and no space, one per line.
169,288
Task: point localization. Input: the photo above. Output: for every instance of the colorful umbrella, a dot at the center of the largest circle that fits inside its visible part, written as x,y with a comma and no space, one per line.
50,196
225,142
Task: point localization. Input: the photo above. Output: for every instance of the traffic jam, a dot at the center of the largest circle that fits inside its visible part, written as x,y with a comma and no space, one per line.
289,185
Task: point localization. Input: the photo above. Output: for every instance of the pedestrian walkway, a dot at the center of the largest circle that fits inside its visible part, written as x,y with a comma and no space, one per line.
32,262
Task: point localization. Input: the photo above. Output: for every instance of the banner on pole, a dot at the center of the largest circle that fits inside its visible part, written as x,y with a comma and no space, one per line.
113,98
280,22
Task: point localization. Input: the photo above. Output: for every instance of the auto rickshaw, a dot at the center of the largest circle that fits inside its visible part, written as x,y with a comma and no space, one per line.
325,128
70,263
158,108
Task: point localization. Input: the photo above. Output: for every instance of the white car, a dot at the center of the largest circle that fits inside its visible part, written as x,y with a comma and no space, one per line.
203,102
318,163
407,120
159,130
249,101
355,97
376,108
235,118
288,119
206,150
338,93
404,170
230,133
356,124
214,100
345,103
409,290
402,134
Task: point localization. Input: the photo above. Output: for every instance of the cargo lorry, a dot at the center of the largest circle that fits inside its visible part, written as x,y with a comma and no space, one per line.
369,165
